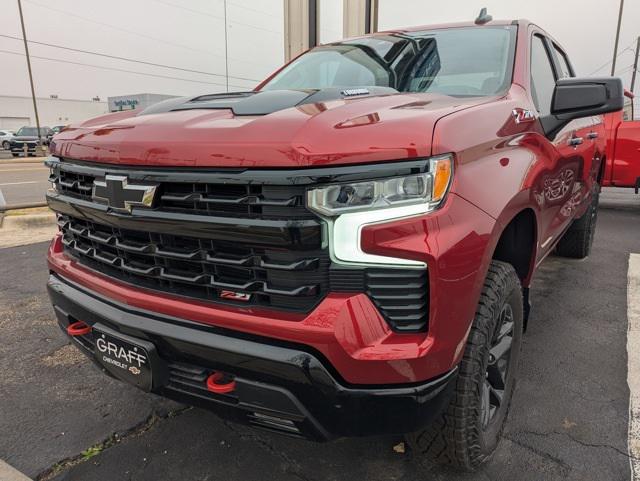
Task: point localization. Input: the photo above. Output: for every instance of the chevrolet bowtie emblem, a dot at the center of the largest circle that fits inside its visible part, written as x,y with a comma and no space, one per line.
117,193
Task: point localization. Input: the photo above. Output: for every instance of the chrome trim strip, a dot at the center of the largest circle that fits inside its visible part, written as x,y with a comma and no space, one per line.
345,233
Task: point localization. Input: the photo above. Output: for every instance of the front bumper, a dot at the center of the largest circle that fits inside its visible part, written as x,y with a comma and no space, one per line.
20,150
280,386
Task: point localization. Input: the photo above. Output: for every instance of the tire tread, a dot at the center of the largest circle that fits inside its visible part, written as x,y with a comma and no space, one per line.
454,437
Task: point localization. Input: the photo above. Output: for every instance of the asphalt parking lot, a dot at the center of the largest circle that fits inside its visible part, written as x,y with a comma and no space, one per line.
60,419
23,182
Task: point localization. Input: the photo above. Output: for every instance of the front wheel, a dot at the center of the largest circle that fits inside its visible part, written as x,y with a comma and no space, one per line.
468,431
5,145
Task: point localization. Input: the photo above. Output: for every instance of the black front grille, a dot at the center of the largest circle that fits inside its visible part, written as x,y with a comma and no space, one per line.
21,144
72,184
200,268
205,198
264,201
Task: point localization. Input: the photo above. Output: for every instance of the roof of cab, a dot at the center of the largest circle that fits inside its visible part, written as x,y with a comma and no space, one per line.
494,23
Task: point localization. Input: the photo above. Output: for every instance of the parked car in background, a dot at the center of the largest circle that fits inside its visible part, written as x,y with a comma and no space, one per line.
347,250
28,136
622,166
5,137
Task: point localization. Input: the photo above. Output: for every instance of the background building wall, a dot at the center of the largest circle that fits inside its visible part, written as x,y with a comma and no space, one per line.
135,101
16,112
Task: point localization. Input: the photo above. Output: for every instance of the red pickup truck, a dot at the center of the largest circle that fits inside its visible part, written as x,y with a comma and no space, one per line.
622,165
346,250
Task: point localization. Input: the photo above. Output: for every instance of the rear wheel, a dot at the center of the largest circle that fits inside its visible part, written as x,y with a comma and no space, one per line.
468,430
15,154
577,241
5,145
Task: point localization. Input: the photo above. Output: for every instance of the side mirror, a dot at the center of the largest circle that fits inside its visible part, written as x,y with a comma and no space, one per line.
575,98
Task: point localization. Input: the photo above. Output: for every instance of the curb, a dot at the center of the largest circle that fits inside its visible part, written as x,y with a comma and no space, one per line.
28,220
23,160
8,473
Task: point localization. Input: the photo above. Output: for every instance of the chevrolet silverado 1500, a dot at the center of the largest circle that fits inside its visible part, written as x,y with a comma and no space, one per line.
346,250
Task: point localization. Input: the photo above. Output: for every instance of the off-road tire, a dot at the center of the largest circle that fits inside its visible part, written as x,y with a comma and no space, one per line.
577,241
457,437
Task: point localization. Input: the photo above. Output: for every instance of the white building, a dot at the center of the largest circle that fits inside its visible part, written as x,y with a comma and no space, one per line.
16,112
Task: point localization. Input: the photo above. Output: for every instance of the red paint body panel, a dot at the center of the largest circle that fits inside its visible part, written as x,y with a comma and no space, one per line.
335,132
622,167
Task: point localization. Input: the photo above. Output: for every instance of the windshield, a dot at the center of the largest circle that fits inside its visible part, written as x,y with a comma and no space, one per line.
31,131
465,61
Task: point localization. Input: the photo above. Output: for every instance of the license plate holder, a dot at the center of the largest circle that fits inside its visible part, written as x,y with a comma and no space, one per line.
127,358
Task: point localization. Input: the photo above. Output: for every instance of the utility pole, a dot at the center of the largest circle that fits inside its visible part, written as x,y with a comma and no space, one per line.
33,91
635,66
226,47
615,48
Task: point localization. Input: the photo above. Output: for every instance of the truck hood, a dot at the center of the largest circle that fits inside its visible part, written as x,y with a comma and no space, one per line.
264,129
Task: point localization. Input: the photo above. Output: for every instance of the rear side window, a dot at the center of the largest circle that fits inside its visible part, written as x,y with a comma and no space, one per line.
542,77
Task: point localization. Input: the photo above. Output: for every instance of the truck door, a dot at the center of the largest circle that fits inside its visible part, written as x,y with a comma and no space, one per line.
626,150
594,136
560,187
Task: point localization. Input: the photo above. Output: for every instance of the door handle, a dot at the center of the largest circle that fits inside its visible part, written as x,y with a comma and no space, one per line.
592,135
575,141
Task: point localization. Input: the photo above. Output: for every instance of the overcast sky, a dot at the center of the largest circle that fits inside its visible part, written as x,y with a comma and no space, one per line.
189,35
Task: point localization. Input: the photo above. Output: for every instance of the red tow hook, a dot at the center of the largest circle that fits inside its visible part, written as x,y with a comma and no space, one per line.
78,328
217,383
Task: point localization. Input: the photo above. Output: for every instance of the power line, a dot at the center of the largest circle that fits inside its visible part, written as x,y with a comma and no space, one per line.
624,70
610,61
116,57
132,32
121,70
207,14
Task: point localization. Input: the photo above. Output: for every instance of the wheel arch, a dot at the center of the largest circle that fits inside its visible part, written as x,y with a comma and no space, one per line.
517,244
602,169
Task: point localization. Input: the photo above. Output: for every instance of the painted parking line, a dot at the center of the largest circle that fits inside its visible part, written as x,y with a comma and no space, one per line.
8,473
21,183
28,169
633,355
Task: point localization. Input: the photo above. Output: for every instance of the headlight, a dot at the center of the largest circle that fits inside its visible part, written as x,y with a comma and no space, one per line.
348,207
427,188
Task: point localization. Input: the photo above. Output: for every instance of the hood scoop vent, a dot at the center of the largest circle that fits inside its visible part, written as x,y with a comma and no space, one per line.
264,102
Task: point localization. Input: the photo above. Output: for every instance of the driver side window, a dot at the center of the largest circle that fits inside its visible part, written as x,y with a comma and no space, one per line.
543,79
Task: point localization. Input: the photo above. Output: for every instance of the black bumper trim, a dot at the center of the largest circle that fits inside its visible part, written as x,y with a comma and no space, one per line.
281,388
